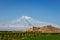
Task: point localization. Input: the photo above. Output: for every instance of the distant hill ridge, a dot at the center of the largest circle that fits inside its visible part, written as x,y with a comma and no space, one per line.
44,29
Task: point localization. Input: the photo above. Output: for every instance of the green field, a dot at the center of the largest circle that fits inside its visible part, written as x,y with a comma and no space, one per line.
28,36
51,37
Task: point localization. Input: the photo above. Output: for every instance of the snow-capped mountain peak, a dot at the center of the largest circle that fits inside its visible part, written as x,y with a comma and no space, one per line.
22,23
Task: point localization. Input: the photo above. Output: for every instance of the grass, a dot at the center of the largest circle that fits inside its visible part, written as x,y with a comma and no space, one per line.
50,37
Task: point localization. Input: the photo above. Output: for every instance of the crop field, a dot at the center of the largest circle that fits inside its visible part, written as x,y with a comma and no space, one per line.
5,35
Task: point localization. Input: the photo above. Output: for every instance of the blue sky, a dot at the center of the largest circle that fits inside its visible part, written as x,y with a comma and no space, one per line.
43,10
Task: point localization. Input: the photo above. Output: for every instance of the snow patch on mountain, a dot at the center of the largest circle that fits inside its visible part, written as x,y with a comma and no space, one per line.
26,17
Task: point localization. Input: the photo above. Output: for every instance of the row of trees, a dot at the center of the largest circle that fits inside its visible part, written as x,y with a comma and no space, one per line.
21,35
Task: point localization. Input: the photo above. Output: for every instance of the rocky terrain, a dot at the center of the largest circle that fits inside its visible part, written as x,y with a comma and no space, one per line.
44,29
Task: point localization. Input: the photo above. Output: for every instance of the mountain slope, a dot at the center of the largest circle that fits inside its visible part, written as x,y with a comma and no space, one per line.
44,29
